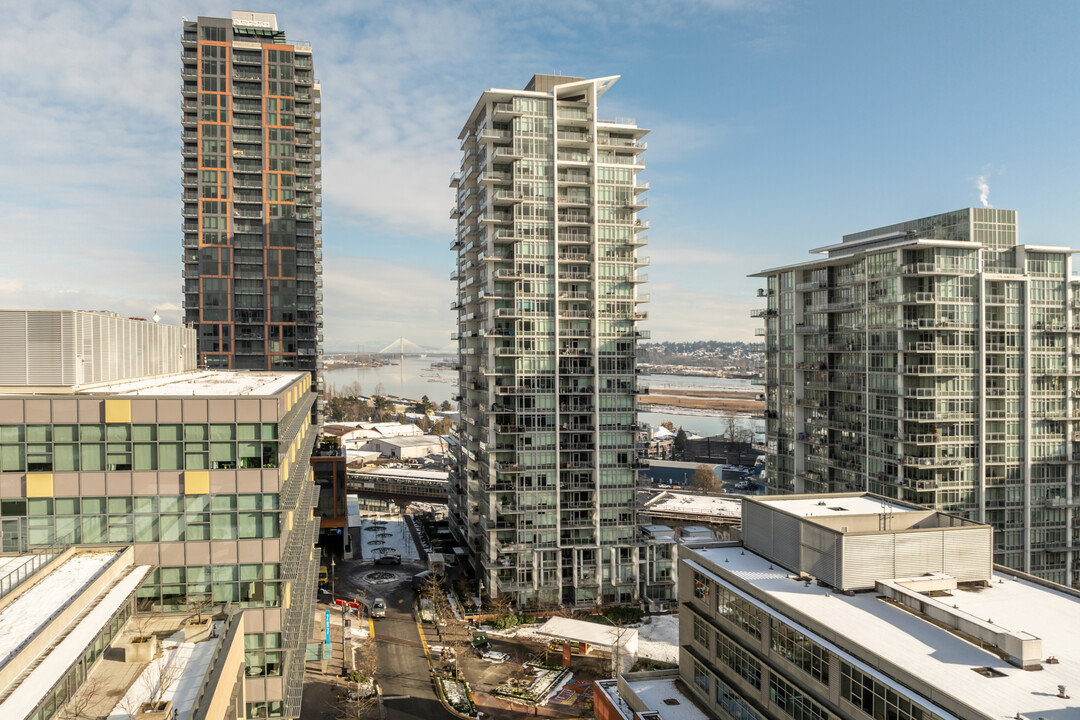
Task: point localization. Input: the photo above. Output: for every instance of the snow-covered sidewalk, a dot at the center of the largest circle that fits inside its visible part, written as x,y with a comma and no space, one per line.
658,638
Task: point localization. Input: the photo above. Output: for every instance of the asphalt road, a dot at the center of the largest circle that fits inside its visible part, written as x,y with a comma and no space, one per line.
403,668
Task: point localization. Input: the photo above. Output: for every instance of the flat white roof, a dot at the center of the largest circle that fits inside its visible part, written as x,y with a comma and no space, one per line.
818,506
688,503
48,594
45,674
657,694
604,636
929,652
205,382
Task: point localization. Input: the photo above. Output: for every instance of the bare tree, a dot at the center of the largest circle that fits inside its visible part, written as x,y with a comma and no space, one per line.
79,706
159,677
705,479
198,604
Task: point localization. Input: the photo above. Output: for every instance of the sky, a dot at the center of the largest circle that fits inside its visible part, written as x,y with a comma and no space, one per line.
777,126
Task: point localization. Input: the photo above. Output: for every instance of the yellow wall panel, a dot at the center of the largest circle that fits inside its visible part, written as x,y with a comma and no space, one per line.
196,482
39,485
117,411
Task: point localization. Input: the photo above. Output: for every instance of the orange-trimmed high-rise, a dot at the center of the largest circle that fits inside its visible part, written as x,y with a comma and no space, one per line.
252,195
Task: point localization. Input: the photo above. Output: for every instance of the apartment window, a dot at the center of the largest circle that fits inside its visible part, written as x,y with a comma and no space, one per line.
701,632
800,651
792,702
701,676
740,612
733,704
701,587
874,698
740,661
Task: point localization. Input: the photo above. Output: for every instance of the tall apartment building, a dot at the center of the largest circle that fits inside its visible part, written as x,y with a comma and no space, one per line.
858,607
109,435
934,361
252,194
547,312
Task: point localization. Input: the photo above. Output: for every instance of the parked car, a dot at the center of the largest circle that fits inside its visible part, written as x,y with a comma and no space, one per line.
378,608
389,559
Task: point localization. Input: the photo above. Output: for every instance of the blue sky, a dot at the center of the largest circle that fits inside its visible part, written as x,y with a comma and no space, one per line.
777,126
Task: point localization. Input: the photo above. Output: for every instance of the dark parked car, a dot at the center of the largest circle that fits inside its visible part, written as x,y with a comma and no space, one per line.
388,560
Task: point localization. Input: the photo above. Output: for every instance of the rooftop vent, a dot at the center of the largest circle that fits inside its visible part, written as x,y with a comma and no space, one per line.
671,701
989,672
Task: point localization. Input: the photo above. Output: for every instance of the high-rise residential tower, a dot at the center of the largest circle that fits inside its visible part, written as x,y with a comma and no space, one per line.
934,361
252,194
548,306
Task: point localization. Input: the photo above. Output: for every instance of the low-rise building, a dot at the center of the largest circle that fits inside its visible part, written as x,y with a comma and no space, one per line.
857,606
407,447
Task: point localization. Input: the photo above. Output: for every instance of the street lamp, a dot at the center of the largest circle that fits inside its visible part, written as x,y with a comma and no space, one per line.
332,578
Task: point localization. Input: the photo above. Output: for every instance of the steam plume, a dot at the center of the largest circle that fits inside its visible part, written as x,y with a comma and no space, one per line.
984,191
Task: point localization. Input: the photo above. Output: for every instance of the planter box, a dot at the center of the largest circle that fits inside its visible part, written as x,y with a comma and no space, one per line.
156,711
195,630
141,649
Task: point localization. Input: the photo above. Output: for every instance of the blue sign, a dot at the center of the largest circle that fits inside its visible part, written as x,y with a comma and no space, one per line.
327,627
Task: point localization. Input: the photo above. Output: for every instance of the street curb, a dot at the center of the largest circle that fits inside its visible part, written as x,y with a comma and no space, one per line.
431,671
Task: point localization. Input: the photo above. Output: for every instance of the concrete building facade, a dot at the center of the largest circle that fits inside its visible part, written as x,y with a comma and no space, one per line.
205,473
252,192
934,361
547,203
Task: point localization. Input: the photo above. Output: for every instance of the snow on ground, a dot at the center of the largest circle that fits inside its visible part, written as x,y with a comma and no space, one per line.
32,610
11,563
659,638
183,664
398,538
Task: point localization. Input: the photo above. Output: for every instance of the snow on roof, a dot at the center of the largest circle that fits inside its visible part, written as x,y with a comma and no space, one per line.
57,660
411,440
604,636
657,695
440,475
31,611
816,506
206,382
929,652
689,503
188,662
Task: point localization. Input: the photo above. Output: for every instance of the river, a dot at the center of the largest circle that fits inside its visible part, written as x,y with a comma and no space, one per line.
414,378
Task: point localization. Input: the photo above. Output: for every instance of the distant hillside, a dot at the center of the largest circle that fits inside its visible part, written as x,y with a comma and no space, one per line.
704,353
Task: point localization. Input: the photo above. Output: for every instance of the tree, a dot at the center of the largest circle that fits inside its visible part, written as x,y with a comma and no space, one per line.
446,406
734,432
425,404
379,389
704,479
80,706
160,675
425,424
198,604
679,446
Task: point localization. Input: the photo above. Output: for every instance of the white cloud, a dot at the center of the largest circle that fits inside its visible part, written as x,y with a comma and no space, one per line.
373,302
89,168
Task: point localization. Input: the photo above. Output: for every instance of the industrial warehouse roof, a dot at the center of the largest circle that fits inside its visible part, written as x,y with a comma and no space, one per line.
978,678
206,382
